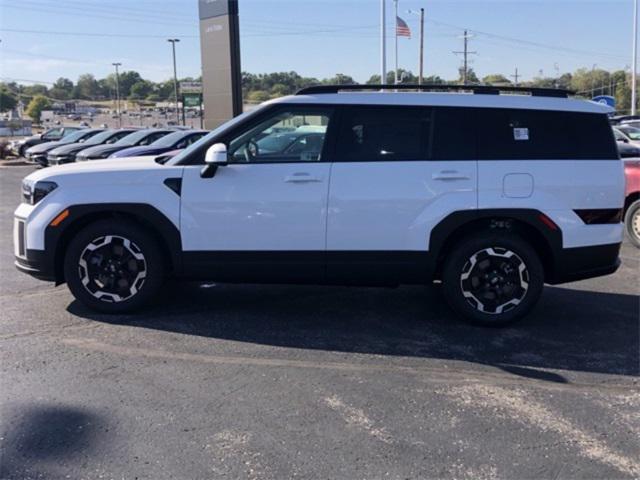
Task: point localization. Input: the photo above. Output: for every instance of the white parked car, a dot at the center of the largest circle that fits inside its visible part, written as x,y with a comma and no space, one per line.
491,194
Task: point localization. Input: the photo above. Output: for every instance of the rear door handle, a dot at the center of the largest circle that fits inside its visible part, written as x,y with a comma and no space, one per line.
301,177
450,175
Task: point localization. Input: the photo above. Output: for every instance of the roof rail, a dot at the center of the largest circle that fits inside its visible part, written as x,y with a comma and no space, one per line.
476,89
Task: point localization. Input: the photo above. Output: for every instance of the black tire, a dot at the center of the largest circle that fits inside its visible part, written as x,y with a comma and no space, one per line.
632,223
121,265
492,279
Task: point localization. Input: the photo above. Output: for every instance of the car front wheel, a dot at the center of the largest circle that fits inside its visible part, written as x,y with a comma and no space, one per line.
113,266
492,279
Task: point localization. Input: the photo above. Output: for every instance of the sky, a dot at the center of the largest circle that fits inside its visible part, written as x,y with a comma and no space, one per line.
42,40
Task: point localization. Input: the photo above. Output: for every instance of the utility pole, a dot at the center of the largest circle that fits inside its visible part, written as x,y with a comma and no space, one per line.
466,54
173,42
593,80
516,77
117,64
383,43
634,70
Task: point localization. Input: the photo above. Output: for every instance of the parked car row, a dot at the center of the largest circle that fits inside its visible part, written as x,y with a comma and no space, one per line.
19,147
99,143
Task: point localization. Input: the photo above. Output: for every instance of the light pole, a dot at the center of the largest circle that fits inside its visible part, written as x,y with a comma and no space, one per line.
635,59
383,43
117,64
173,42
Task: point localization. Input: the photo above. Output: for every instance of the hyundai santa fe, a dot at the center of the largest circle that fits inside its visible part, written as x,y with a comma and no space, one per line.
491,192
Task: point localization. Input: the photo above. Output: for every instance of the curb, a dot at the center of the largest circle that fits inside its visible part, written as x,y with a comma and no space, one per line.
15,163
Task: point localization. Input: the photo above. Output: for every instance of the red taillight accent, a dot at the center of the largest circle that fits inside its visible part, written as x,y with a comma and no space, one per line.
548,222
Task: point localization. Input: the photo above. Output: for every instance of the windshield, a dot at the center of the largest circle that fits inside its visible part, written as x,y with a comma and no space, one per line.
632,133
100,137
132,139
169,140
208,138
75,136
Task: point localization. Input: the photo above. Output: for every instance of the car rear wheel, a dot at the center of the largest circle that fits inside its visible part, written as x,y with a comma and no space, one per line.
492,279
113,267
632,223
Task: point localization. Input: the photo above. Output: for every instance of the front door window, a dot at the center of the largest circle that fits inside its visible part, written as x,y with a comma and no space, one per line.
286,137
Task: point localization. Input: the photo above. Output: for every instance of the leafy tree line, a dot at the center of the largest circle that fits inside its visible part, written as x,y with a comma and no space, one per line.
261,87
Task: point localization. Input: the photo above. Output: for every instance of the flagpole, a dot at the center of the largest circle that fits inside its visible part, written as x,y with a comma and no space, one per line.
383,43
395,22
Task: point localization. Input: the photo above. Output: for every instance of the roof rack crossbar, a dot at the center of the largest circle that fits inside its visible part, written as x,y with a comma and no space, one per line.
476,89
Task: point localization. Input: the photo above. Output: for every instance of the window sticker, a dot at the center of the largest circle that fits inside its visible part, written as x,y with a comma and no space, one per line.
520,134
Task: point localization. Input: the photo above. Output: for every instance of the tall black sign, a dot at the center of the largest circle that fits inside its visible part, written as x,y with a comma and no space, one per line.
220,50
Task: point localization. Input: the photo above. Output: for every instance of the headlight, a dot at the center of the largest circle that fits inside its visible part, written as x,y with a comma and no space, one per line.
33,192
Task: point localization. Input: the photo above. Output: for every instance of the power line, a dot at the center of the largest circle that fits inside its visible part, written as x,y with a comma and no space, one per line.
527,42
91,34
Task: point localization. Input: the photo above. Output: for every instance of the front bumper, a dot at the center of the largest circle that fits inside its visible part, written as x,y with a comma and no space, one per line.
36,264
37,158
33,262
61,160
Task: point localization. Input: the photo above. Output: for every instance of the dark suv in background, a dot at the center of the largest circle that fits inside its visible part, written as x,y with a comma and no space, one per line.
140,137
67,153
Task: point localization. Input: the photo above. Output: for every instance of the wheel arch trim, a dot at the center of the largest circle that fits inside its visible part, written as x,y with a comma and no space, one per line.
450,228
148,216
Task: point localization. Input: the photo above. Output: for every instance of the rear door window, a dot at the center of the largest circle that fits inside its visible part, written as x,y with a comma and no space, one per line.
380,133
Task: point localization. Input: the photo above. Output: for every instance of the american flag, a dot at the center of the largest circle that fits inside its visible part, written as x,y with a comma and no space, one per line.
402,29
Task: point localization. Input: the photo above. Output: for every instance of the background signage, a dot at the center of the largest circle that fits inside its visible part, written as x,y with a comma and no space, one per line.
217,8
220,50
606,100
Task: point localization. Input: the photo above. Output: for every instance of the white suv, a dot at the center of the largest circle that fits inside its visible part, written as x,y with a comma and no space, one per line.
491,192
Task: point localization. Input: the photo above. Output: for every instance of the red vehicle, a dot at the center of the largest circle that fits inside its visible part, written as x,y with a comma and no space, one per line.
632,200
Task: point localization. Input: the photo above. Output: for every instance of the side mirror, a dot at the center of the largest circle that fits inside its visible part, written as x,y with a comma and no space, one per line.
215,157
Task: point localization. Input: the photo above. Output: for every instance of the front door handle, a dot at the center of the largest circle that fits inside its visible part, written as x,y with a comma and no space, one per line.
301,177
450,175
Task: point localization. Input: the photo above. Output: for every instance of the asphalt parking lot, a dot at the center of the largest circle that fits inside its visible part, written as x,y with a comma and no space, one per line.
276,382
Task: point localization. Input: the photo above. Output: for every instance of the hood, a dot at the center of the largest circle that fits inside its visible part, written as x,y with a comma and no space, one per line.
43,147
101,150
101,169
24,140
140,151
68,148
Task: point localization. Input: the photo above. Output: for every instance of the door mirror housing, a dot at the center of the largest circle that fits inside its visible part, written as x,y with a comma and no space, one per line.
215,157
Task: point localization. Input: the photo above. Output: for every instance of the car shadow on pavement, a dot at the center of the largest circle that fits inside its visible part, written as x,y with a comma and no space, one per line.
570,329
40,439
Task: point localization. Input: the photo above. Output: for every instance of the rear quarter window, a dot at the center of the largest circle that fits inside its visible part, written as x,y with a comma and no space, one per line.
543,135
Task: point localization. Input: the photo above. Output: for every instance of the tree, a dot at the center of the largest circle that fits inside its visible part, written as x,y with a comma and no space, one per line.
141,90
86,87
36,106
258,96
8,101
472,78
496,79
62,89
340,79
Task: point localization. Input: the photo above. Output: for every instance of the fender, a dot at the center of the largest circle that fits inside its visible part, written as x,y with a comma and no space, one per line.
81,215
